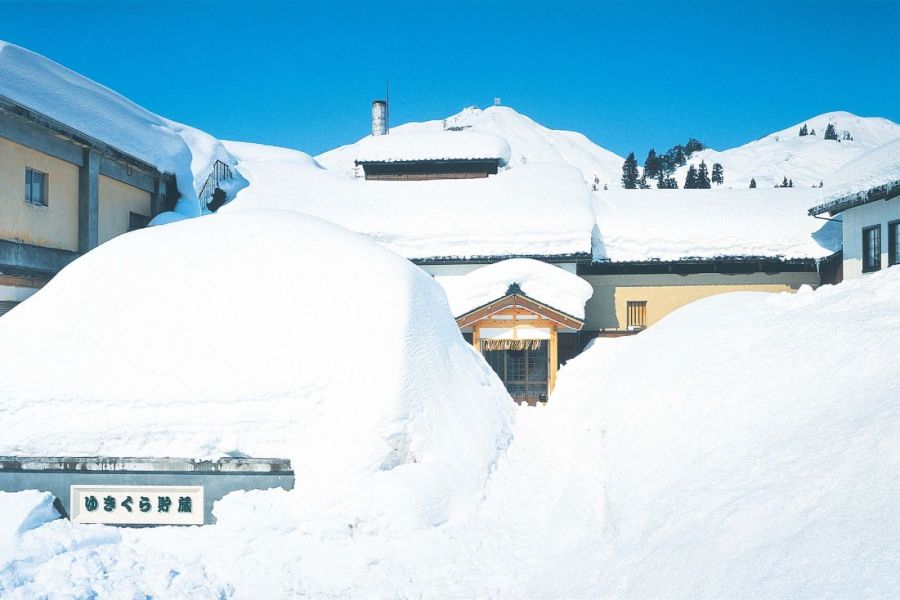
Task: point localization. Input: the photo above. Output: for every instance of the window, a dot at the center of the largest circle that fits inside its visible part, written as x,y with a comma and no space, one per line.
871,240
637,314
894,243
35,187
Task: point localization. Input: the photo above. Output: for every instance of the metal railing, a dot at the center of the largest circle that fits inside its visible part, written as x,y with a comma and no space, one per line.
220,172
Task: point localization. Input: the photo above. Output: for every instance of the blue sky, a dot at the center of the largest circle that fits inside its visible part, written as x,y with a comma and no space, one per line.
629,75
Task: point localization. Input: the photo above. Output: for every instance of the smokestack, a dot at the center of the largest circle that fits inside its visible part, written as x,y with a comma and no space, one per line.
379,117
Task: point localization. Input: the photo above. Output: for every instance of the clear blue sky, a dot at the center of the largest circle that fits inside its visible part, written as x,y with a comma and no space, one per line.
630,75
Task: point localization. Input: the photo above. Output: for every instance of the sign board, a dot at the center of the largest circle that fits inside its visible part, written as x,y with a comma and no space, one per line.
137,504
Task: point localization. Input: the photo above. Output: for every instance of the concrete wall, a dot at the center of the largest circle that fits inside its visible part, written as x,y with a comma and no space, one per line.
117,201
664,293
855,219
51,226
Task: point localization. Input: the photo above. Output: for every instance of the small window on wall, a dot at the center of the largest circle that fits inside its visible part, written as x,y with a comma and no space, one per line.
894,243
871,241
35,187
637,314
137,221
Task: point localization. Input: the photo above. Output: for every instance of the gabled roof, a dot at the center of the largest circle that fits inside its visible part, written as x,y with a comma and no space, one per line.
516,298
441,146
886,191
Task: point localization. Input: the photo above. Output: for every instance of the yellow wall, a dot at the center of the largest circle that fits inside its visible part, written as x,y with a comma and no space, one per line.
52,226
665,293
117,200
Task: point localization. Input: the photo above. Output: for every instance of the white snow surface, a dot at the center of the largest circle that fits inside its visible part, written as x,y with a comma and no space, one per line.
444,145
541,281
93,109
260,333
639,225
876,167
808,160
658,469
528,141
536,209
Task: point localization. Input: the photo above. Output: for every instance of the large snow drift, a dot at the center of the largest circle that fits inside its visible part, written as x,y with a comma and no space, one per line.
540,209
543,282
264,333
76,101
444,145
876,167
639,225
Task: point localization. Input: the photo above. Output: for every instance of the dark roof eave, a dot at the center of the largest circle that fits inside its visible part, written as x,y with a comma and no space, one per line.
490,259
885,191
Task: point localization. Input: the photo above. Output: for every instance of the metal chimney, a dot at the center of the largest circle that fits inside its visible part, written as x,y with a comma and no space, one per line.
379,117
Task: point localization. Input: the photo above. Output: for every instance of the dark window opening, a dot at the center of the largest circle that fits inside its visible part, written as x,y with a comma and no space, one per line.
894,243
137,221
636,314
523,372
871,240
35,187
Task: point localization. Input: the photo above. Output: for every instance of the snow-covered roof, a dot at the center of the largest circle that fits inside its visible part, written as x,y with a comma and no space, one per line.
548,284
158,352
853,183
647,225
445,145
531,210
97,111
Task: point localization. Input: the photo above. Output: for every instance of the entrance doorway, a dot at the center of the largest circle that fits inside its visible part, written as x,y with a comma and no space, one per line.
523,372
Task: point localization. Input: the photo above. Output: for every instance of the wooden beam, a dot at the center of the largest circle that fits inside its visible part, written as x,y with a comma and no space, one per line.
519,301
554,359
476,337
509,323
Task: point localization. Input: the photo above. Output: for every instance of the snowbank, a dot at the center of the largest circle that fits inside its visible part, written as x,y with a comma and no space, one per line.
74,100
267,334
537,210
529,142
445,145
545,283
876,167
756,454
639,225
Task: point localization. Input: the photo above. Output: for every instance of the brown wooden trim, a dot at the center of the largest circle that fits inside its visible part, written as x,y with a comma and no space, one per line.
519,301
554,360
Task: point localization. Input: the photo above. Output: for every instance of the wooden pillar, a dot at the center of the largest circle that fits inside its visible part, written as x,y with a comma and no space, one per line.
554,359
476,337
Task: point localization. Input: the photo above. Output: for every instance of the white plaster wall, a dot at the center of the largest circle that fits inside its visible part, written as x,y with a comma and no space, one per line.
11,293
855,219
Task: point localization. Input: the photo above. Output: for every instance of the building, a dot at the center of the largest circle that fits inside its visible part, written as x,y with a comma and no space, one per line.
62,193
866,200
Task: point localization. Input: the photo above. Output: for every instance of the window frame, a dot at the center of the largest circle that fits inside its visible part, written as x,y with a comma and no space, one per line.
45,186
893,228
866,268
639,310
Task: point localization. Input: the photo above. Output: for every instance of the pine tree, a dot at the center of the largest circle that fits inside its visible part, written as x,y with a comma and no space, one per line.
642,183
690,180
790,183
703,177
630,175
804,131
652,166
813,132
752,183
784,182
830,133
693,145
718,174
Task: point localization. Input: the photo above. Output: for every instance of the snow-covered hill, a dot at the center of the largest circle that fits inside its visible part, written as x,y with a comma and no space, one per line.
529,142
808,160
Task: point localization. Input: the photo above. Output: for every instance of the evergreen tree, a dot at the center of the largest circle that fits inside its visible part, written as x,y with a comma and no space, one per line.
790,183
630,175
830,133
718,174
690,181
703,176
652,165
804,130
693,145
784,182
642,183
813,132
666,183
752,183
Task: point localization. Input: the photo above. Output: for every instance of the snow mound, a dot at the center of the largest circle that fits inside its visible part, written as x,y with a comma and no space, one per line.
745,447
808,160
874,168
639,225
543,282
74,100
446,145
529,142
262,333
534,210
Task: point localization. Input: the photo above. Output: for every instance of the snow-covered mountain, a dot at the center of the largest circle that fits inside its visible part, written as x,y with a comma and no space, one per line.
529,141
808,160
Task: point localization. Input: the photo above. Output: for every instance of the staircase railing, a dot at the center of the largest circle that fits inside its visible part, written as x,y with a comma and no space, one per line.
220,173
